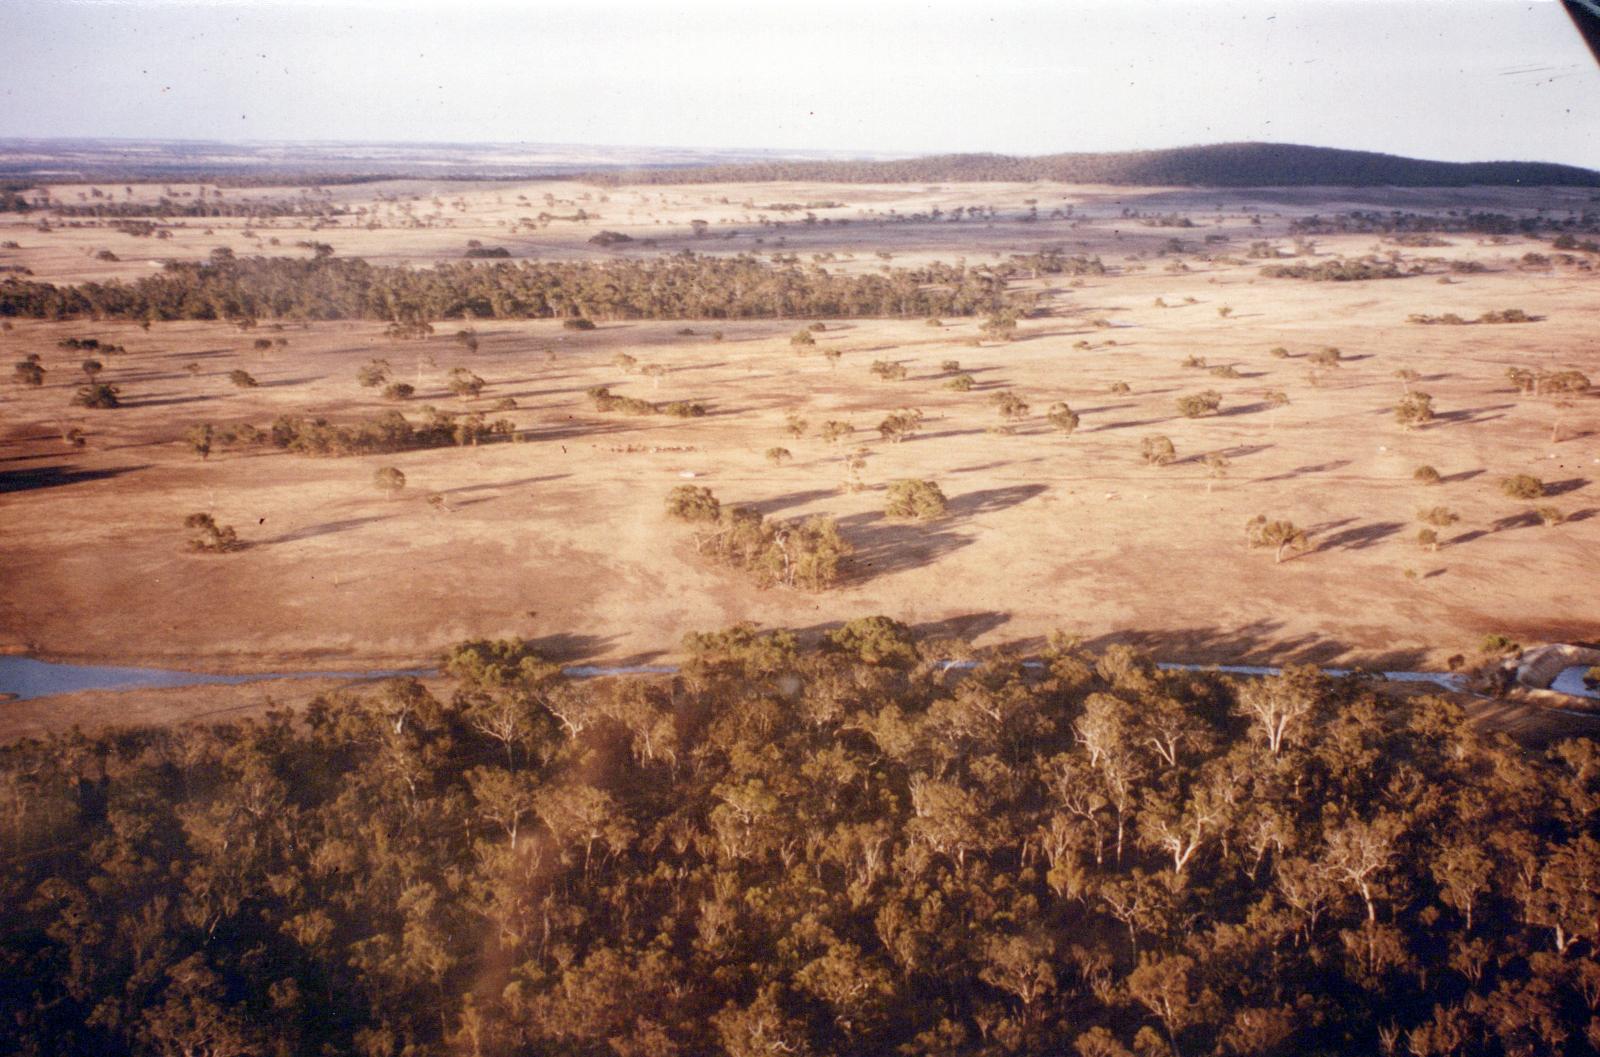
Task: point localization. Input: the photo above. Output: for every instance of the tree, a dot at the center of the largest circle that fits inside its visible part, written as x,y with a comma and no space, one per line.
465,384
778,456
1522,486
1062,417
899,425
1216,467
694,504
876,640
1157,450
212,537
1426,475
398,391
1195,405
242,379
28,372
916,501
1012,407
961,383
373,374
1414,409
1407,376
199,438
889,372
802,340
389,479
91,368
98,395
1281,535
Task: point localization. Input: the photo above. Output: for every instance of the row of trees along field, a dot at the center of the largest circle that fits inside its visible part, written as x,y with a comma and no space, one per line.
684,286
845,850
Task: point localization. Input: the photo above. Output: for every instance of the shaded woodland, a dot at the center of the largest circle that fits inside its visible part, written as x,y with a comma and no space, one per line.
684,286
846,849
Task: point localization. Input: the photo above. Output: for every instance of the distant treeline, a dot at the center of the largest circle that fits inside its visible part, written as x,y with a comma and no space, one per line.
165,208
685,286
783,852
1478,223
1219,165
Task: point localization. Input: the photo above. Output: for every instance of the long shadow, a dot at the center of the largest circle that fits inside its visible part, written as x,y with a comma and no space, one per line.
282,382
1104,408
36,477
1582,515
1472,414
327,528
503,484
767,507
1571,484
1526,519
1244,409
965,627
1361,537
883,546
1131,424
1260,642
937,434
1301,471
1464,475
170,401
988,500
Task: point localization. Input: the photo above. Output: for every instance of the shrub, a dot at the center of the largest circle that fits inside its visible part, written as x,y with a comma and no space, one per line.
683,409
1157,450
915,500
874,640
212,538
694,504
28,372
1062,418
1438,516
960,383
802,339
1414,409
834,430
389,479
900,424
464,383
888,371
1011,406
1499,644
242,379
505,403
1550,515
1224,371
373,374
1522,486
399,391
1197,404
578,323
1426,475
1282,535
950,366
1197,362
97,395
779,456
1120,388
1278,352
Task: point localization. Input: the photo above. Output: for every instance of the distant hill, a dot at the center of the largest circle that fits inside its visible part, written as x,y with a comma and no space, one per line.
1218,165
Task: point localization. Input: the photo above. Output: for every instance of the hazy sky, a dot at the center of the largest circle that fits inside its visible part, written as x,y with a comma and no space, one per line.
1447,79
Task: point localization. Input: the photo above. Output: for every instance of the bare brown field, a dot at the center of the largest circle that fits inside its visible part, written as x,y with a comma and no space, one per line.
562,539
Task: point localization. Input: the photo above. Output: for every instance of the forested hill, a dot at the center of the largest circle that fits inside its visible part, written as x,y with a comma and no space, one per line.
1217,165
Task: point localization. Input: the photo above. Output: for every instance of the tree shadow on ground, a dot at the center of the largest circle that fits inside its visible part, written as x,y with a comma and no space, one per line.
883,547
768,507
1469,415
1571,484
1463,475
1259,642
1301,471
1361,536
327,528
166,401
965,627
502,484
988,500
36,477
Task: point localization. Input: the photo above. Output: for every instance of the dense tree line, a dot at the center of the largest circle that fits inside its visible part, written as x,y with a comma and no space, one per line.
684,286
1363,221
1217,165
849,849
165,208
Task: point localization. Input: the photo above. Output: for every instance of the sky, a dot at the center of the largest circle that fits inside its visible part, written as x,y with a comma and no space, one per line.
1458,80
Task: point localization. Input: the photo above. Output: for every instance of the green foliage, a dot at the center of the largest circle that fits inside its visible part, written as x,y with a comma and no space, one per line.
795,851
961,383
1522,486
915,500
876,640
889,372
694,504
464,383
1499,644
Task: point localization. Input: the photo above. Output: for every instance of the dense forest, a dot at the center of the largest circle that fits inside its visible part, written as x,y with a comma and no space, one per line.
684,286
1217,165
845,849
